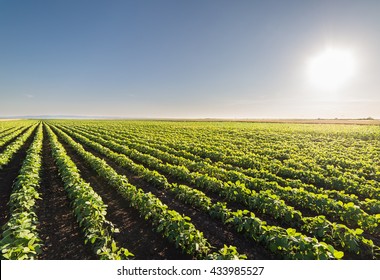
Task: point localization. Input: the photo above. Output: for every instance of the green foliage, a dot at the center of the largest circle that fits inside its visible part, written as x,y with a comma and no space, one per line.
20,239
276,239
89,209
227,253
176,228
12,148
275,171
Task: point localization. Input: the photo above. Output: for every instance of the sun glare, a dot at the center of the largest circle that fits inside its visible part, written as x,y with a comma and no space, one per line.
331,69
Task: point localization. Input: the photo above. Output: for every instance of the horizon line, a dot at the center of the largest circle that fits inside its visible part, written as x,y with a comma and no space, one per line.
184,118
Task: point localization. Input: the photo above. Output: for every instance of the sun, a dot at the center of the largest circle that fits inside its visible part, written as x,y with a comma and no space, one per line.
331,69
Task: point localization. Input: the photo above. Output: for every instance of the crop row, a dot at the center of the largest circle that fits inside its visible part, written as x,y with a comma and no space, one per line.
180,157
14,147
263,201
328,152
337,187
319,203
88,206
291,168
175,227
20,239
7,135
370,205
285,242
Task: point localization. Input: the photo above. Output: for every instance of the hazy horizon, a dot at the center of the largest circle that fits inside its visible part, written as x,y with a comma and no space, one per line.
189,59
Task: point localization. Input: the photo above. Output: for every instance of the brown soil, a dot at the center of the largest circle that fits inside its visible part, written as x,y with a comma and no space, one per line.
58,227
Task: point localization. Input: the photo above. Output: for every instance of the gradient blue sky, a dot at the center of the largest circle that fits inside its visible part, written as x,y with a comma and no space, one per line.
231,59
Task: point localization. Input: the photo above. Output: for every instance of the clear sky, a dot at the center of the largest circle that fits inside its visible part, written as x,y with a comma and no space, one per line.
185,59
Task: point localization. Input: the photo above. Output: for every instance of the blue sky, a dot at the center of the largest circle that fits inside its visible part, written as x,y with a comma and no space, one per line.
185,59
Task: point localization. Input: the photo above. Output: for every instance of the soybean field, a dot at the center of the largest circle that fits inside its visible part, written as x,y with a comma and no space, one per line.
129,189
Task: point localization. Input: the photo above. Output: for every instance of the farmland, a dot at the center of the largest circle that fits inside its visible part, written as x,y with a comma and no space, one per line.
104,189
